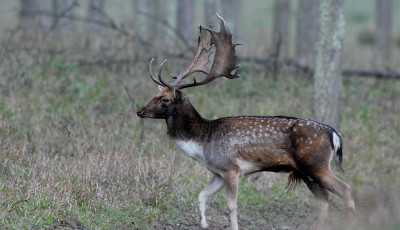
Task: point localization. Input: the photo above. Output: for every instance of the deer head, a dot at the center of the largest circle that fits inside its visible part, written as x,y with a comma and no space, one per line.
165,103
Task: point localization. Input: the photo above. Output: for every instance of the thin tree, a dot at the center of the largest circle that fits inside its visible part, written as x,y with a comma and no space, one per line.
211,7
327,75
306,32
383,19
27,17
30,17
281,28
185,18
141,21
96,13
63,27
232,11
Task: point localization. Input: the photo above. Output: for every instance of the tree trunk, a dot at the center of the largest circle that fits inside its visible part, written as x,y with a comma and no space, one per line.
94,32
383,19
211,7
141,20
30,17
63,27
185,18
27,18
327,76
95,13
306,32
281,27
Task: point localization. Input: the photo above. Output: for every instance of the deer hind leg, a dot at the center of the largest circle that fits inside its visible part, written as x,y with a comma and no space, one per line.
343,190
323,198
214,186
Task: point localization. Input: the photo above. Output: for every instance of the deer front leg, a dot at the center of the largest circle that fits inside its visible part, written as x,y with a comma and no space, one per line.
232,184
214,186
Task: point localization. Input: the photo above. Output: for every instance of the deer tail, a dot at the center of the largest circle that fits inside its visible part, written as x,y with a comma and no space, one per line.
337,144
294,180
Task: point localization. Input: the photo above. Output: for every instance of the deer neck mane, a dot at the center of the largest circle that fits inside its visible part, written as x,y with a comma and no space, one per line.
185,123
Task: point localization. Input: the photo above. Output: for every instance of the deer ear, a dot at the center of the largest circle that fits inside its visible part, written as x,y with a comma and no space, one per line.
161,88
178,96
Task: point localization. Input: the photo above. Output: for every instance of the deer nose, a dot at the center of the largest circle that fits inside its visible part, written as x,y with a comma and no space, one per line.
140,112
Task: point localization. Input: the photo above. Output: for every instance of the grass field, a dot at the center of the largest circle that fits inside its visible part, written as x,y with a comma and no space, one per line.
74,154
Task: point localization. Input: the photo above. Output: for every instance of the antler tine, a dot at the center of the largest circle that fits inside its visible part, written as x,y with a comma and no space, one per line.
223,23
224,60
223,64
151,73
161,80
200,59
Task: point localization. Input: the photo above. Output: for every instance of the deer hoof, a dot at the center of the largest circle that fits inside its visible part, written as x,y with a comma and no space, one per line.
204,226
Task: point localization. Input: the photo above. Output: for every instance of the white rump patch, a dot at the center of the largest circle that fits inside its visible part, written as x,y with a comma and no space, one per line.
336,146
336,141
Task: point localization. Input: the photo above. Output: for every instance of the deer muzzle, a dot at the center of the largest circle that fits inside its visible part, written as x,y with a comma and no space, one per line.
141,112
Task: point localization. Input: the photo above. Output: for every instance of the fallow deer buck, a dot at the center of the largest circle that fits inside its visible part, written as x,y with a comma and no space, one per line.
231,147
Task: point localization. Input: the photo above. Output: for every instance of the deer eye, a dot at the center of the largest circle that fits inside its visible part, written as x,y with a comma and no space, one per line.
165,100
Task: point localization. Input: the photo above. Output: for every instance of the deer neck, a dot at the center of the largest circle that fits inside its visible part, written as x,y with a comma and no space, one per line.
186,123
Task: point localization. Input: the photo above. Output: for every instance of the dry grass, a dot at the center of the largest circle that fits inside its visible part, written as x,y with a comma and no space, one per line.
74,154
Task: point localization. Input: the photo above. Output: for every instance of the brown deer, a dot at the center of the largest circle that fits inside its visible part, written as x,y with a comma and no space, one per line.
232,147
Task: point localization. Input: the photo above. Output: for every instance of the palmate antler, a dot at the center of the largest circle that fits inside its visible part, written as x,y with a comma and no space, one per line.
223,64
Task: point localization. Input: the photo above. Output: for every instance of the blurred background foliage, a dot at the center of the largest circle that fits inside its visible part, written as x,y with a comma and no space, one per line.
74,154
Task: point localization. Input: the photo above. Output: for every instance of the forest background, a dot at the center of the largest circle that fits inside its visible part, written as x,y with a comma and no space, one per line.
73,73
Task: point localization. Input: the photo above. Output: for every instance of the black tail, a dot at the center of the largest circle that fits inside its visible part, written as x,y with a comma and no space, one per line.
294,180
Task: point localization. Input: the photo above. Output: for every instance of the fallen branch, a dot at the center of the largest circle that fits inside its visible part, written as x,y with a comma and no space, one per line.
372,73
268,63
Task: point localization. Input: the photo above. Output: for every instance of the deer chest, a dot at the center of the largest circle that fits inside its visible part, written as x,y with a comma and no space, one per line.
192,148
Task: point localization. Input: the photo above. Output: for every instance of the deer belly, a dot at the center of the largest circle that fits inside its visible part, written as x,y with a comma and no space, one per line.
192,149
247,167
